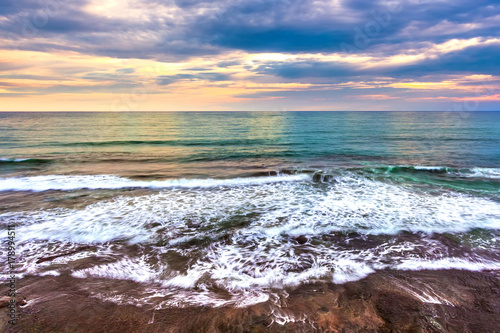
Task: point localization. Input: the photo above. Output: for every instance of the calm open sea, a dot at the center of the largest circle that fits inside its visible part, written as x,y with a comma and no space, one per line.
231,208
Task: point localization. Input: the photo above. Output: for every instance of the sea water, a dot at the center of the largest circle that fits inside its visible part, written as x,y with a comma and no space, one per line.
232,208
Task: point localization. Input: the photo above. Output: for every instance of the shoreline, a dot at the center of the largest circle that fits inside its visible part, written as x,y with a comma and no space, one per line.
385,301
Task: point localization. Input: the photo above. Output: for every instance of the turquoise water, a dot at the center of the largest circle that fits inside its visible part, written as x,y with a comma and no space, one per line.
192,142
230,208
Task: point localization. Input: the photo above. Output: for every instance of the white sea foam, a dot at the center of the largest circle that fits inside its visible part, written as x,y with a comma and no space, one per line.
274,209
425,167
284,316
127,269
260,254
50,273
68,183
6,159
427,294
493,173
416,264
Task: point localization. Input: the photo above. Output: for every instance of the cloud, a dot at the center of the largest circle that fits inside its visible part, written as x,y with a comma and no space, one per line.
307,69
377,97
211,77
126,70
384,50
152,29
465,57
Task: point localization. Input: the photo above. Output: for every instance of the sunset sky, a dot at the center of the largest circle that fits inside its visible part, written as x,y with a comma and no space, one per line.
133,55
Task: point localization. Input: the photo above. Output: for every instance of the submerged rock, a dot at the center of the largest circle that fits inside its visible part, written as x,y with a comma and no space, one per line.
301,239
323,178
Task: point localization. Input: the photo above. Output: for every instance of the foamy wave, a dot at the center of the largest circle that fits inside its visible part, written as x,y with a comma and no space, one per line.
448,263
5,159
126,269
429,168
243,238
68,183
493,173
248,282
270,210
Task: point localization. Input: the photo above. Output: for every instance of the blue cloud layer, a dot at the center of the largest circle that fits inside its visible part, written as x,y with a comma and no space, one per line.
251,25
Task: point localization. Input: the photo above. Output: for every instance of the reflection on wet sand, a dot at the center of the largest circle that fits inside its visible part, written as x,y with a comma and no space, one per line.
388,301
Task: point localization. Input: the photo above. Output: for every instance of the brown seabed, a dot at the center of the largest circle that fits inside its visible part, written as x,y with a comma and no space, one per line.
387,301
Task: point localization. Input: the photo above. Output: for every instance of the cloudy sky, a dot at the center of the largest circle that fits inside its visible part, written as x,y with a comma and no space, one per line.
132,55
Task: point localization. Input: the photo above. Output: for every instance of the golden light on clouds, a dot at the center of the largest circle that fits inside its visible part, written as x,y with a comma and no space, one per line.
73,80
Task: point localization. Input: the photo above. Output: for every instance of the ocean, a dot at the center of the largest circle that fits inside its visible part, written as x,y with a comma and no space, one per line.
235,208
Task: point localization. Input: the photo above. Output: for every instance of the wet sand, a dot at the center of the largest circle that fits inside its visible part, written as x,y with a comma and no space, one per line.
387,301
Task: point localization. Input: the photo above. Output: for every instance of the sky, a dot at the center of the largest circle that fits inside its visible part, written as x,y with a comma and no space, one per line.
249,55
